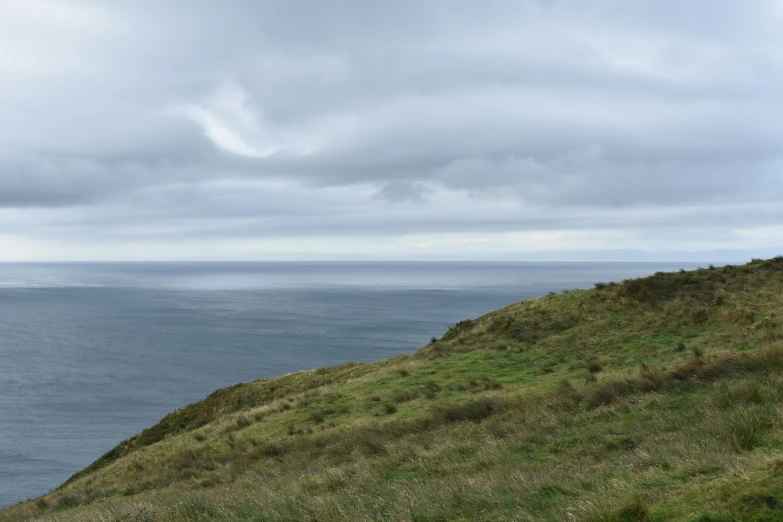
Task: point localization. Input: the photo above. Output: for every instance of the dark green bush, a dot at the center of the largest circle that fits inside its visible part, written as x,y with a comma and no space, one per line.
430,389
317,417
593,366
607,392
472,411
700,316
459,328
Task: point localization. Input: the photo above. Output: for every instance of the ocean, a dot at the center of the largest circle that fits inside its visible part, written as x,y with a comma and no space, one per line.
91,354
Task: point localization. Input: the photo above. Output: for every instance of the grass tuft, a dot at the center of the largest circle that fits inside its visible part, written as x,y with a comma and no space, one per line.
745,429
470,411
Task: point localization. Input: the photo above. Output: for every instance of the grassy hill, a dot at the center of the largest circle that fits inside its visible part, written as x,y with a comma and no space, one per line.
651,399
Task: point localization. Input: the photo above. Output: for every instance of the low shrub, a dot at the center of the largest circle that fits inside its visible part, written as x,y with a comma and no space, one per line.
242,422
593,366
606,392
68,501
483,383
700,316
317,417
531,329
633,511
401,396
469,411
429,389
651,379
459,328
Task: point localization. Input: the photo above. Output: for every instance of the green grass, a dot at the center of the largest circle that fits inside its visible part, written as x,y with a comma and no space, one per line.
651,399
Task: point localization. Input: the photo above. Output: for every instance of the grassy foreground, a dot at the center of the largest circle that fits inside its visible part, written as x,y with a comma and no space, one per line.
652,399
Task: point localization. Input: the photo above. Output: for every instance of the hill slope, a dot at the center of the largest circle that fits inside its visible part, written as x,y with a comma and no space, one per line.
652,399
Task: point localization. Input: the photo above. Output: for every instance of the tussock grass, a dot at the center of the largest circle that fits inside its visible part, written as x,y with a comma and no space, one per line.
643,400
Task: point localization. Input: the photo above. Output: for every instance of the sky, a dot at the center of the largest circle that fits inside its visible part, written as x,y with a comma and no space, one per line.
422,129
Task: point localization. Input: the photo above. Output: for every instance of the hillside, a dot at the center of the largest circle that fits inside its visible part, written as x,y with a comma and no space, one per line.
651,399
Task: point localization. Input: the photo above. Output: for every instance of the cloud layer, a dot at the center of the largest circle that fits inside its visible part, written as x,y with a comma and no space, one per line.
445,129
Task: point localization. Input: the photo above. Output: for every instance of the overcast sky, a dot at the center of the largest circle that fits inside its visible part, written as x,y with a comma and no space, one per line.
389,130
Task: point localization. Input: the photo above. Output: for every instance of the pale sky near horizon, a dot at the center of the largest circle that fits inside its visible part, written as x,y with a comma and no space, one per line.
187,130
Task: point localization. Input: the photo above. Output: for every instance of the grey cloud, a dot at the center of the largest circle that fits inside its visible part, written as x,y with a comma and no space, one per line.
398,192
574,114
256,210
587,178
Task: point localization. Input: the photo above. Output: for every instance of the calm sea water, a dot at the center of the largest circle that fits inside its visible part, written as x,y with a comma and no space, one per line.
91,354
